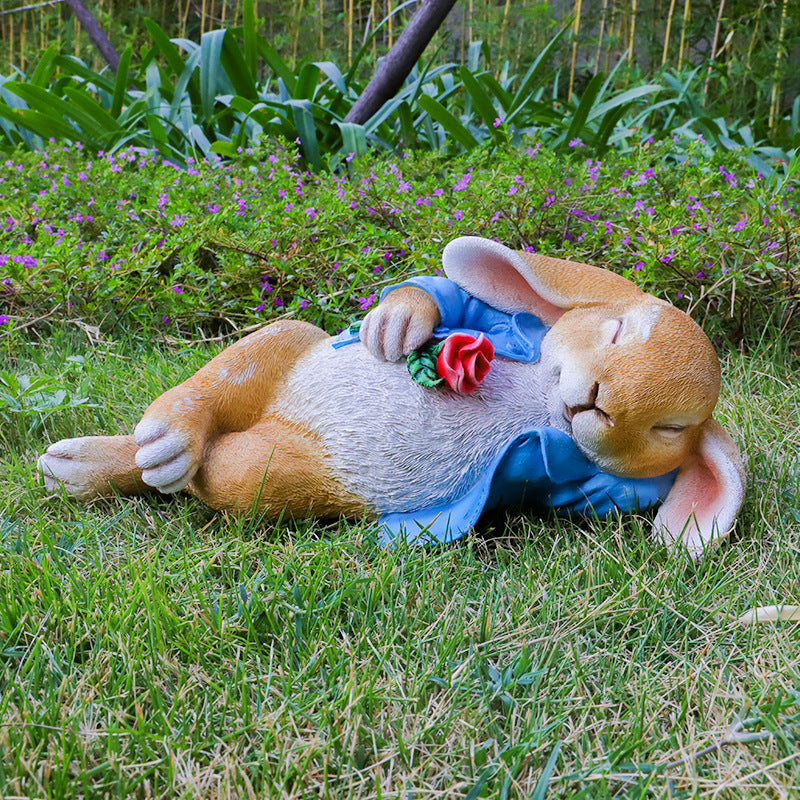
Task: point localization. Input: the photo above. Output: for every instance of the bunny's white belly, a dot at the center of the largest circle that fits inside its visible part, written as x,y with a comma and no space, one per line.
401,446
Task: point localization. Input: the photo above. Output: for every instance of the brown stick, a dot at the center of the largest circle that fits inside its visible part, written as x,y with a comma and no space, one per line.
400,60
92,27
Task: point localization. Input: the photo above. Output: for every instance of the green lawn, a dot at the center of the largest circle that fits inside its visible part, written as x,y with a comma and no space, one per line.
154,648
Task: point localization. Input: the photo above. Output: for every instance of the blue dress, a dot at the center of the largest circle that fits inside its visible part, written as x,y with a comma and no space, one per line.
539,469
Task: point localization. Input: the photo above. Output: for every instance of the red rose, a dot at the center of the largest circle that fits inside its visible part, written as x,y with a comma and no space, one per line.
463,361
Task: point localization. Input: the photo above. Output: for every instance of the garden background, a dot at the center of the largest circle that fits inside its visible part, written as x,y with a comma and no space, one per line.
211,183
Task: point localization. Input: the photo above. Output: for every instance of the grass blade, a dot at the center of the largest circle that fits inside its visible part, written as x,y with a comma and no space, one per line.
540,792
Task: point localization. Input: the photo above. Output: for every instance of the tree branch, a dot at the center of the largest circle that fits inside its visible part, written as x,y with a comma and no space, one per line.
400,60
92,27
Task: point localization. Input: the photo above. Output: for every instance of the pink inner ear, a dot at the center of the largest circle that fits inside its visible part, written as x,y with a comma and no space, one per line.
707,495
697,497
495,274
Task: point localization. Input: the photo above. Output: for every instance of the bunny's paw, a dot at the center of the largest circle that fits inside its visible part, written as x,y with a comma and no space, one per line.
167,456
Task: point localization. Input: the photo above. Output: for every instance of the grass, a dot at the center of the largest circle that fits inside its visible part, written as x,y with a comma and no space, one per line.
154,648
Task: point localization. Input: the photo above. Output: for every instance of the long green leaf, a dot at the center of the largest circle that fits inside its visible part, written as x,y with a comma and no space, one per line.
105,126
182,86
607,126
354,138
334,74
307,80
71,66
45,67
584,107
306,130
624,98
237,70
537,68
480,99
44,125
122,81
210,69
500,94
277,64
450,124
56,108
250,37
165,46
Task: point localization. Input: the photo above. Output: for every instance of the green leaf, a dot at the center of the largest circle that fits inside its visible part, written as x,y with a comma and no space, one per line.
624,98
278,65
334,74
44,125
237,70
307,80
45,68
250,36
483,105
182,86
165,46
584,107
210,69
71,66
486,775
306,130
52,108
122,81
354,138
537,68
104,127
421,365
450,124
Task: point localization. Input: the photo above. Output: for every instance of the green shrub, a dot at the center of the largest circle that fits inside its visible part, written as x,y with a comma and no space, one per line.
128,239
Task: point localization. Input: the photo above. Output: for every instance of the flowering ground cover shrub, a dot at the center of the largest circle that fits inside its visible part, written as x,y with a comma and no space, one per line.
130,239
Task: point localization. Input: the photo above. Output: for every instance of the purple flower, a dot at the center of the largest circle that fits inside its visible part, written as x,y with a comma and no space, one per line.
576,143
4,319
462,182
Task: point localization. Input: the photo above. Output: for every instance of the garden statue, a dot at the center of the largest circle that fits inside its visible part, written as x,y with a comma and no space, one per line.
516,379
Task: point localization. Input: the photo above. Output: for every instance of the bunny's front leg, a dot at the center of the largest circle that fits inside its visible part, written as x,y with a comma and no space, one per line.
229,394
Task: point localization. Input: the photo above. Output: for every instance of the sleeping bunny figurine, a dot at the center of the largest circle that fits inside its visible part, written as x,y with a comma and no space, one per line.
598,400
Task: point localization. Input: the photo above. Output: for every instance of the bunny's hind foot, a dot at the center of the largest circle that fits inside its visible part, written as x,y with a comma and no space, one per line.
92,466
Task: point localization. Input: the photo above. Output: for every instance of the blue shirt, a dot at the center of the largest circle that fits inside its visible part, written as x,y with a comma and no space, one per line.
541,468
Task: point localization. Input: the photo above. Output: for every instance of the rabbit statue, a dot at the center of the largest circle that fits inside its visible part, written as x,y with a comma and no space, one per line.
599,399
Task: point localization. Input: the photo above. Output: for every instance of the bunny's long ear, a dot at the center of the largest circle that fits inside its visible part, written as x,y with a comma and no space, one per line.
515,281
702,506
